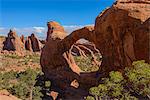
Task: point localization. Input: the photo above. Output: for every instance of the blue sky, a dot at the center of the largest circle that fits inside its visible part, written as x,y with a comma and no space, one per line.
35,13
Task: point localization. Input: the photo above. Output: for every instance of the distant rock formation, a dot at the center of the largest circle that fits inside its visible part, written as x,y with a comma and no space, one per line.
13,42
55,30
28,45
22,39
35,43
32,43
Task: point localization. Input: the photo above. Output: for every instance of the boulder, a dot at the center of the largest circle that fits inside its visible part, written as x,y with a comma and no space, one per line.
13,42
55,30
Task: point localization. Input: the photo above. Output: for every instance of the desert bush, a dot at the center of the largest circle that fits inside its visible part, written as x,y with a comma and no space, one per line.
5,79
25,88
135,84
13,56
110,88
85,63
139,78
35,58
24,85
90,98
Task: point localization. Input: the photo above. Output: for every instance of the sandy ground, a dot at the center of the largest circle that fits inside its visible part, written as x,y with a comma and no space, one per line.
12,61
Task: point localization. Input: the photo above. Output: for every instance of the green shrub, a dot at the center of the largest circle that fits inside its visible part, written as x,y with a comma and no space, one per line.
47,83
85,63
139,78
137,82
5,79
95,92
116,77
110,88
13,56
90,98
24,86
35,58
37,93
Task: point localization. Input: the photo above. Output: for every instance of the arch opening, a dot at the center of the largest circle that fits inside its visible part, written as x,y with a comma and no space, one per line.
86,56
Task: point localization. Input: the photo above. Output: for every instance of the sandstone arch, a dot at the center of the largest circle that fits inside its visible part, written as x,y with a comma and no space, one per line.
57,58
119,33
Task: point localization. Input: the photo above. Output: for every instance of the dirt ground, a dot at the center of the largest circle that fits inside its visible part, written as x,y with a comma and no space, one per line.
12,61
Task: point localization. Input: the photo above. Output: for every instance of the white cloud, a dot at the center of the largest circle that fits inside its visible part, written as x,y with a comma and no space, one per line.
1,28
39,31
3,31
71,28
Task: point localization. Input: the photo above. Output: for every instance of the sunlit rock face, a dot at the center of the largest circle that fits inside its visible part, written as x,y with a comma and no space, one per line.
119,36
55,30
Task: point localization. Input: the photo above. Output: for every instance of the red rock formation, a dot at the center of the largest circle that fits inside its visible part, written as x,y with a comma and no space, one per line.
142,41
42,41
53,51
134,1
119,31
56,58
13,42
28,45
115,35
32,43
54,95
80,48
35,43
55,30
22,39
